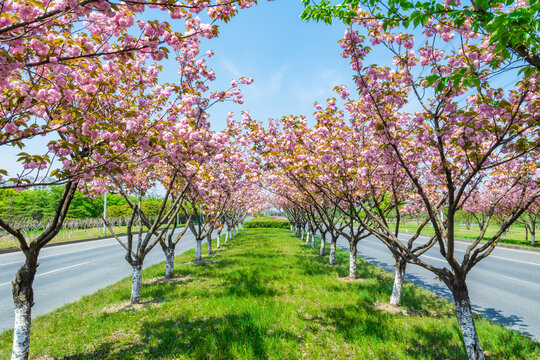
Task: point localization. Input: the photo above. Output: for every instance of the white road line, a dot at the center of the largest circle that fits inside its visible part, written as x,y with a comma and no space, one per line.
466,242
519,280
519,261
11,263
71,252
52,271
431,257
58,254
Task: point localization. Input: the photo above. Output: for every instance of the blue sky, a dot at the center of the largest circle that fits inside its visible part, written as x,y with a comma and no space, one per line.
293,63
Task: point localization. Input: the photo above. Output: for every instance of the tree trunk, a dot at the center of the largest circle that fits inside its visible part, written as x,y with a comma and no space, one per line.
533,232
395,298
209,241
226,237
313,240
307,237
198,250
352,260
169,264
218,245
332,257
136,283
302,238
23,300
323,245
466,322
21,331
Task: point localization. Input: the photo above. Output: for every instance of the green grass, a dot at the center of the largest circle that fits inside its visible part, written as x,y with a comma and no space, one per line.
515,236
265,296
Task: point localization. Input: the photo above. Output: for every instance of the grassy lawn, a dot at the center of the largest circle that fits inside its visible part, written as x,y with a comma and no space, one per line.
265,296
515,236
8,242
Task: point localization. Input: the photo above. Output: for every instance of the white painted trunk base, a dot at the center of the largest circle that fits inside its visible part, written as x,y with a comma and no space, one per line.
532,239
352,264
209,242
21,331
198,250
323,246
218,243
169,263
399,276
468,329
226,237
313,240
307,237
332,257
136,283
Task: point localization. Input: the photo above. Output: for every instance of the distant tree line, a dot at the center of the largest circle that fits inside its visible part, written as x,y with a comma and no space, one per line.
41,205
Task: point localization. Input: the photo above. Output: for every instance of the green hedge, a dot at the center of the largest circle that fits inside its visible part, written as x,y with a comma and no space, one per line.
280,224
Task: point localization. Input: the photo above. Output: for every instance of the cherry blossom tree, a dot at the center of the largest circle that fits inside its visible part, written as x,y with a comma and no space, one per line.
67,70
464,132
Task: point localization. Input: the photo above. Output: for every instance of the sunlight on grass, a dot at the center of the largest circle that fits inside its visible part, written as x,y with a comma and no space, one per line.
266,296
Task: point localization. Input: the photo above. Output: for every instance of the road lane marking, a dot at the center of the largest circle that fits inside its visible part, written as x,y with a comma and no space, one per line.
431,257
519,261
522,281
11,263
58,254
467,242
52,271
71,252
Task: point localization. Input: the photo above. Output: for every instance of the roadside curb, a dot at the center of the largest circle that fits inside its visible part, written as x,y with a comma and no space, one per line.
499,245
12,250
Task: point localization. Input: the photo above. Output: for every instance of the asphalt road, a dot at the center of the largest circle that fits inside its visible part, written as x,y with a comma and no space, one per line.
68,272
504,287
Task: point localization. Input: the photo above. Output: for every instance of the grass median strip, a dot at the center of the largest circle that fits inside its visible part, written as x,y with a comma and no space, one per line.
265,296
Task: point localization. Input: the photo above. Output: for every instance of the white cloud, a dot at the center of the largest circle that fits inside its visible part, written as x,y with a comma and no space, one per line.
319,88
230,66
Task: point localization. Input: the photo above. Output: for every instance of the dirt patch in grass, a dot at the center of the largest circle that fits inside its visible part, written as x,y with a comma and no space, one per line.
198,262
391,309
127,306
350,279
177,278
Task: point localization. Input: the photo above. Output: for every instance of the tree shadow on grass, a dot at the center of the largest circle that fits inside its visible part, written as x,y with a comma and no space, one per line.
506,320
434,344
225,337
163,290
246,282
356,323
437,288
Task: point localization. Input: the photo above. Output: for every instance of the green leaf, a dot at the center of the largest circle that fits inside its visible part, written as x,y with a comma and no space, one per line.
431,79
